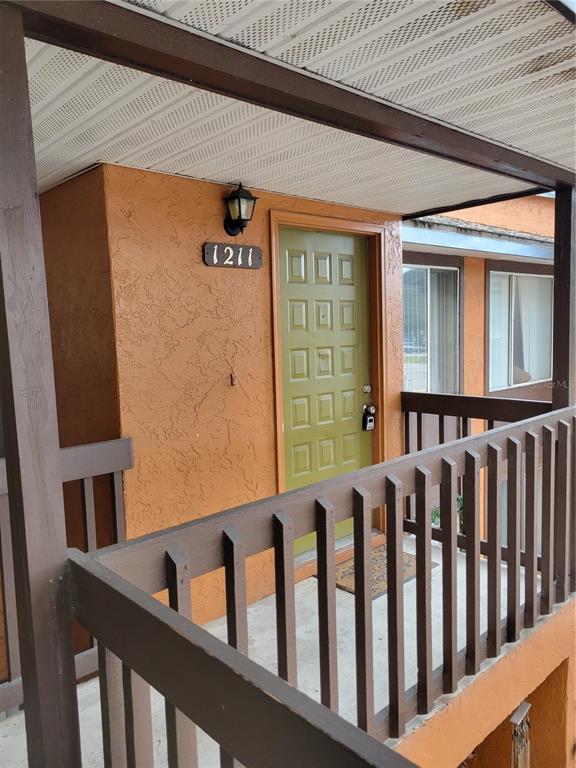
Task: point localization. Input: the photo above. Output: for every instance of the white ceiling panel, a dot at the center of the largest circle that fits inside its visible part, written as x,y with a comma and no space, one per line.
499,69
461,62
87,111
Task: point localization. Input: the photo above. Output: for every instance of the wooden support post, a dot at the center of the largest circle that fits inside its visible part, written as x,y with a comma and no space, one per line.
31,429
564,333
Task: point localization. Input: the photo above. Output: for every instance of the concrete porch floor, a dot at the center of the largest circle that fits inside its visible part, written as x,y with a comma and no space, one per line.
262,649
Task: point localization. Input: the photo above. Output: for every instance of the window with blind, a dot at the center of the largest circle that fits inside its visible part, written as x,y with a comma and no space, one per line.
431,329
520,329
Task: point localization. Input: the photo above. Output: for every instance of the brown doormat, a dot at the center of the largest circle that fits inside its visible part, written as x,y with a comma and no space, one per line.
345,572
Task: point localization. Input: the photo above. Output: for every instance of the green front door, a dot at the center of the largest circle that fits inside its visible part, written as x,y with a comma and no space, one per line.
325,357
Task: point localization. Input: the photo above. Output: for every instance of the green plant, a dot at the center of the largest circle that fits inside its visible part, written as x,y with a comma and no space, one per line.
459,512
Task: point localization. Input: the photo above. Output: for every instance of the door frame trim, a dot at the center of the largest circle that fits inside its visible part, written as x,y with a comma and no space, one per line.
375,235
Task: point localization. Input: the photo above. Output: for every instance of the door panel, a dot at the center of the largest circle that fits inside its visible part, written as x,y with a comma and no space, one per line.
325,356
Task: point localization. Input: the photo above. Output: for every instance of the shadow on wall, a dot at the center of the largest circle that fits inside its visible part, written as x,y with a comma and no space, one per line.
547,732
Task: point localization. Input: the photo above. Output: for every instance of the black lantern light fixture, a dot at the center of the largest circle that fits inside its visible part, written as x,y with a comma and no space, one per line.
240,208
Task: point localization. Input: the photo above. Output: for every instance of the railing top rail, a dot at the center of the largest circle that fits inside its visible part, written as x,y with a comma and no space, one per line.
224,692
89,460
467,406
142,560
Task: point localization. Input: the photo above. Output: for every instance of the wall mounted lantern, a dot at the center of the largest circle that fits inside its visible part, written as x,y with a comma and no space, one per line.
240,208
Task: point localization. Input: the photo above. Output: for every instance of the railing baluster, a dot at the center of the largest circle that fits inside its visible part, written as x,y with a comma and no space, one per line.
89,509
236,606
419,431
514,501
494,550
441,429
180,731
531,561
572,522
449,524
112,709
407,432
327,603
395,558
408,506
285,597
119,516
363,608
89,513
561,499
424,588
472,532
547,555
236,603
138,720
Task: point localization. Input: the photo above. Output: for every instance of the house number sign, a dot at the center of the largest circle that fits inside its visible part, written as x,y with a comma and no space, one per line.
230,255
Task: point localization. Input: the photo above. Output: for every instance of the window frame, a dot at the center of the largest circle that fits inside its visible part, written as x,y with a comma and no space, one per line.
514,269
449,263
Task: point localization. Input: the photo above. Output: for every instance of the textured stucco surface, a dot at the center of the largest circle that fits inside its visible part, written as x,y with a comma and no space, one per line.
82,329
182,331
83,340
548,715
81,312
480,707
474,326
534,215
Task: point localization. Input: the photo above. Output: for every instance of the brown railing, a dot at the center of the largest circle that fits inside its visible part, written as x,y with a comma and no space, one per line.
250,712
82,463
433,419
169,652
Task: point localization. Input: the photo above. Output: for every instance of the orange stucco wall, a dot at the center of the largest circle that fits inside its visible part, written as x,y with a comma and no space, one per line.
548,718
83,341
447,737
182,329
533,215
474,326
82,327
81,313
201,444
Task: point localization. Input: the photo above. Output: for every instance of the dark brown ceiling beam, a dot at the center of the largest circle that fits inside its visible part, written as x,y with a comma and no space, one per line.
565,9
133,39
